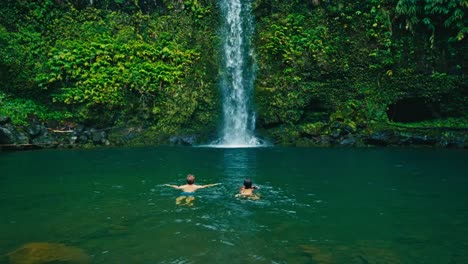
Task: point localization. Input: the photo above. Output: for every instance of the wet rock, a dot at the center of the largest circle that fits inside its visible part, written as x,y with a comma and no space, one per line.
4,120
348,129
6,136
42,137
45,139
404,139
422,140
336,124
9,135
89,133
79,129
99,137
35,129
83,139
42,253
183,140
335,133
324,140
22,138
73,139
381,138
456,143
129,136
442,142
348,141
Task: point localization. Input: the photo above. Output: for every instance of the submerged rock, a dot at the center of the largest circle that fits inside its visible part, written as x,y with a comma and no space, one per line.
360,253
42,253
318,255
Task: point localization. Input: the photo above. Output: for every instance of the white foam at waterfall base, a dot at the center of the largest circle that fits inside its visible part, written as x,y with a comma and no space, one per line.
253,143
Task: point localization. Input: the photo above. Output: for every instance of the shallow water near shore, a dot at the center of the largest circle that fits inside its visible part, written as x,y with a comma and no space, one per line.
325,205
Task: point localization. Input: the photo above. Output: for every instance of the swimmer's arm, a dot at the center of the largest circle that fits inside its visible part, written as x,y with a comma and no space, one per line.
173,186
209,185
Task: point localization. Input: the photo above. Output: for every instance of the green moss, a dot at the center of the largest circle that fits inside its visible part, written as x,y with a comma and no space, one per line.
452,122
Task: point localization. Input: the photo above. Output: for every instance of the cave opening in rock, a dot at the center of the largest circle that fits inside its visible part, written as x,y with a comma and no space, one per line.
412,110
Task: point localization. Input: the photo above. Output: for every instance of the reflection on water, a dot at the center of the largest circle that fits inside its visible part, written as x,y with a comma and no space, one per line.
316,206
239,163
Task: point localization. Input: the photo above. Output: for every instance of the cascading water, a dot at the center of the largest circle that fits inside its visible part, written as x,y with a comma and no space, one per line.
238,74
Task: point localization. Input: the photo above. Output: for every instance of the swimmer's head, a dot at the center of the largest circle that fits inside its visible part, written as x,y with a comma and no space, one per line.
248,183
190,179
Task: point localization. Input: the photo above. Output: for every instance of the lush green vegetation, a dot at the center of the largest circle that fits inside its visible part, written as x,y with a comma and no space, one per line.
116,62
324,62
154,64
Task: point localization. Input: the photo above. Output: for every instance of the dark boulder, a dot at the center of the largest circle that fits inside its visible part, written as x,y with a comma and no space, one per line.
10,135
79,129
6,136
22,138
335,134
83,139
45,139
348,141
381,138
99,137
4,120
35,129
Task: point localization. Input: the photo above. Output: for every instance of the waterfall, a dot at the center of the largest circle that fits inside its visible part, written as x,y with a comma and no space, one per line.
237,75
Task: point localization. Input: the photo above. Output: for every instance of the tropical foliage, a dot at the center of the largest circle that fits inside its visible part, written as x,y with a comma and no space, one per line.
111,60
318,58
155,63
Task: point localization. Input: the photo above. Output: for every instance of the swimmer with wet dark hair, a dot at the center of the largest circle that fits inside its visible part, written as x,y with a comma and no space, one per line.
248,190
188,190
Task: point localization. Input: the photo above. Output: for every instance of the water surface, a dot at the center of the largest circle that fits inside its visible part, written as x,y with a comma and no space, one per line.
317,205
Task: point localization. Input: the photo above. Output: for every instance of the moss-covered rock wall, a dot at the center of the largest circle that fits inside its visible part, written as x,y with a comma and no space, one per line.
357,62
